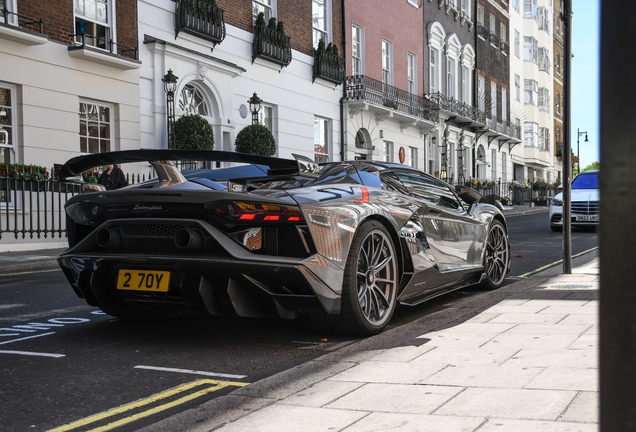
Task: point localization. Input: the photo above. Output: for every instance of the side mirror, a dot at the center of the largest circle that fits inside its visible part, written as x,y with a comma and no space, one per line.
560,187
469,195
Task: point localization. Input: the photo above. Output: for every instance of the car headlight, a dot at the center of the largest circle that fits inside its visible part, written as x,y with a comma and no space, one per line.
82,212
557,202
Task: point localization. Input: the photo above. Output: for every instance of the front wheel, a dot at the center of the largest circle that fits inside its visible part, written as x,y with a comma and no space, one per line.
497,256
370,286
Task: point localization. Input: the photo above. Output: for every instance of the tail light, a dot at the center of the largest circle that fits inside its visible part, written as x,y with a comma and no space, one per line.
252,212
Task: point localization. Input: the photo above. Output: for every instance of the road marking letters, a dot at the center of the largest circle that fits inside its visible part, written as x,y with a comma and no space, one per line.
208,387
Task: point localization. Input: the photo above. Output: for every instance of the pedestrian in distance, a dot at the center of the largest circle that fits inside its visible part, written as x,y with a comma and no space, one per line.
113,178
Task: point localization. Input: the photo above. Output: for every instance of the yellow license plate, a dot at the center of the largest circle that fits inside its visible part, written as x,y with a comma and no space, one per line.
143,280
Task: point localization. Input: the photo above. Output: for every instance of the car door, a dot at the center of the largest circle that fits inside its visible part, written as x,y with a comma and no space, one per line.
454,238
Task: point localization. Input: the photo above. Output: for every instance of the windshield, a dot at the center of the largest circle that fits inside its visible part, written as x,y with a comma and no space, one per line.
585,181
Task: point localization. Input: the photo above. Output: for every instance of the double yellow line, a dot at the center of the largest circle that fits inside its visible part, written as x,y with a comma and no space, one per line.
211,386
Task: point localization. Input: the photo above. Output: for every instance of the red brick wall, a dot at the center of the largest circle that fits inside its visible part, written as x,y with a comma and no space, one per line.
59,19
295,15
395,20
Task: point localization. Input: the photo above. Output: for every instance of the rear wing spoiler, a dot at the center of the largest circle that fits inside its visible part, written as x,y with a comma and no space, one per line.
75,166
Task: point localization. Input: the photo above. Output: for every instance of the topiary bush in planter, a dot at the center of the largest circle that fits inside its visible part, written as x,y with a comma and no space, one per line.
255,139
192,131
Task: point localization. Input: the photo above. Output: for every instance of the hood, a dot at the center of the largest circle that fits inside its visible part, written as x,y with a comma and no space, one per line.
582,195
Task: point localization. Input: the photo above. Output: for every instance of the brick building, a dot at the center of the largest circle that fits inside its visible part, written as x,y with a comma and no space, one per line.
222,57
502,131
70,79
388,114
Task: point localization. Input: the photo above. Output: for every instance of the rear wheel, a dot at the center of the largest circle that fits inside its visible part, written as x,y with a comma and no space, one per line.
369,291
497,256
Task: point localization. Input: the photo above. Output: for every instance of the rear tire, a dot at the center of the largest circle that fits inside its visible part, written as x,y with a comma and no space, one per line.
369,289
497,256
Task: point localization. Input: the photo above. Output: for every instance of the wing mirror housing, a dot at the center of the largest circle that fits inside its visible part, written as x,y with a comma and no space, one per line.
469,195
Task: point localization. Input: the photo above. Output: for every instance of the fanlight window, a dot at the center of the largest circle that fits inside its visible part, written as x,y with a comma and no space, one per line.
191,101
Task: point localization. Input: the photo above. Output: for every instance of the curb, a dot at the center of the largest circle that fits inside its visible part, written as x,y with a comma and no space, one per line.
246,400
28,267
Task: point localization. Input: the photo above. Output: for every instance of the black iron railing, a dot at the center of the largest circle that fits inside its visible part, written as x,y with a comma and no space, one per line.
482,31
105,44
511,193
272,45
363,88
494,40
511,128
34,209
505,48
23,20
454,106
329,66
201,19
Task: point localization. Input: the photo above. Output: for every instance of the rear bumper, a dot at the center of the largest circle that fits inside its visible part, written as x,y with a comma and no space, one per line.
218,286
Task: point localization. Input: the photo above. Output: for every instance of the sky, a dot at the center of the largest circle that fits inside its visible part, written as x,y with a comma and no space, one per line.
585,95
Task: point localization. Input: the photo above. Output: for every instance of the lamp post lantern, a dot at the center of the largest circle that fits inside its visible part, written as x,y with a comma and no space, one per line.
170,87
578,154
255,106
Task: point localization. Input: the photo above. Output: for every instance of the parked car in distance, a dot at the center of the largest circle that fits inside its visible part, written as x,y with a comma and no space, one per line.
343,243
585,202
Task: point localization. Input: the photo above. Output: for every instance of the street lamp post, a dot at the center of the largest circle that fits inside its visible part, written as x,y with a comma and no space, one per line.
443,149
578,154
255,106
170,87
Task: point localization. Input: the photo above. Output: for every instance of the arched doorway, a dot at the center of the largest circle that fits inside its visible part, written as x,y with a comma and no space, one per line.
364,145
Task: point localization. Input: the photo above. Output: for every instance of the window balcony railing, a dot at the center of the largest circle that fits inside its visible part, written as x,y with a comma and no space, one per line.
505,48
450,104
329,66
201,19
505,127
494,40
103,44
272,45
482,31
363,88
22,20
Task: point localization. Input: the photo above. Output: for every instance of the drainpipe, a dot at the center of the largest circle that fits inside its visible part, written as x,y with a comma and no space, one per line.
344,84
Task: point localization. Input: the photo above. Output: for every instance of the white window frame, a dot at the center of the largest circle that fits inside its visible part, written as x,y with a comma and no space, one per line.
503,33
493,164
453,53
480,14
504,103
268,7
12,6
504,168
530,9
493,99
530,49
531,92
544,99
322,139
558,63
91,23
387,62
558,103
413,3
433,75
326,31
413,157
387,151
517,43
11,132
111,127
530,137
543,59
493,24
411,66
543,18
518,87
267,117
357,53
467,63
481,92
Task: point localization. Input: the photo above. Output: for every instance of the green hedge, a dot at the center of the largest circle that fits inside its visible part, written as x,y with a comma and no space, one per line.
255,139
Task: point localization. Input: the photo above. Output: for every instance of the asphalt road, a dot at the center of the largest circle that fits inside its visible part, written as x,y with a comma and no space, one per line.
76,363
